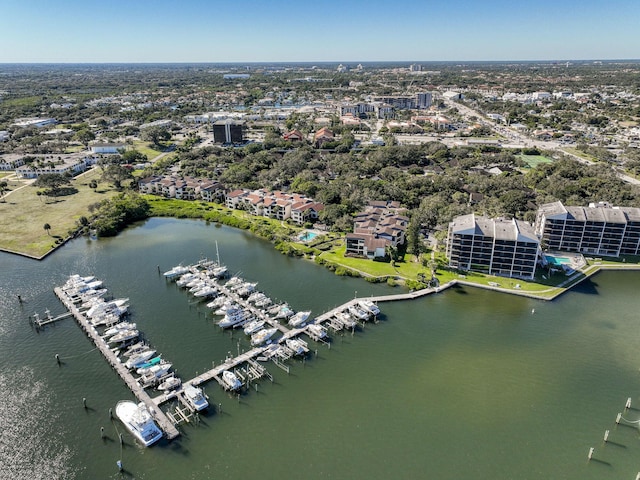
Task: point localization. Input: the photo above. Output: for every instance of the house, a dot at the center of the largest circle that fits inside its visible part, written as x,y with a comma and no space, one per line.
11,161
379,226
305,211
323,136
506,247
293,136
365,246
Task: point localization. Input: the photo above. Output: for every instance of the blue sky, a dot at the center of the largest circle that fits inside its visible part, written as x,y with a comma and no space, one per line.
332,30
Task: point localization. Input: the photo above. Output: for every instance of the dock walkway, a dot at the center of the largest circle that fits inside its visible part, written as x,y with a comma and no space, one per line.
159,416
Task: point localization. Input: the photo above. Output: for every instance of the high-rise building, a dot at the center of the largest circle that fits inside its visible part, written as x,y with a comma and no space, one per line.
227,131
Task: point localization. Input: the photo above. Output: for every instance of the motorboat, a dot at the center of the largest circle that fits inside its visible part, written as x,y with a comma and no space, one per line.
198,285
263,302
218,302
255,296
247,289
345,319
138,420
231,380
135,349
262,336
253,326
297,346
142,368
124,336
284,312
275,309
206,291
195,397
157,371
117,307
233,282
317,332
299,318
105,320
233,319
119,327
220,271
176,271
228,307
170,383
137,360
358,312
186,278
369,306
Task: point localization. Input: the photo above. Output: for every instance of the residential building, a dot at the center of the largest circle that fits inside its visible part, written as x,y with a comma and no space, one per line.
63,164
166,123
11,161
278,205
181,188
506,247
424,100
293,136
34,122
599,229
323,136
379,226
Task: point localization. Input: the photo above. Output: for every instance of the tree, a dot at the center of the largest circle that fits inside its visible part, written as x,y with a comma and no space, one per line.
116,174
47,227
52,182
155,135
93,184
3,188
133,156
84,136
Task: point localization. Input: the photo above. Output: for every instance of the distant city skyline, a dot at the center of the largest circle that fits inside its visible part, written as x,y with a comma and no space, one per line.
71,31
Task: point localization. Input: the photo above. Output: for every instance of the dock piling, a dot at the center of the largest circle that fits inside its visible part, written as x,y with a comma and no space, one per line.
101,432
58,359
84,402
121,438
110,414
627,405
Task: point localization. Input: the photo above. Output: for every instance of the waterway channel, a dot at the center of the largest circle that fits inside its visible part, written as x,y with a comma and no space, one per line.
464,383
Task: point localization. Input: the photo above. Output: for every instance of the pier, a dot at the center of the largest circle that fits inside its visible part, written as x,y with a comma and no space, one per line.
159,416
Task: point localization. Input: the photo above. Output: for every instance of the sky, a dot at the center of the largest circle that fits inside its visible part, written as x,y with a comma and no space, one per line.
88,31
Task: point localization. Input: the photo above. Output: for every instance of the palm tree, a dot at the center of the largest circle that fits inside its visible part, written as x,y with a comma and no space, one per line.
47,227
3,188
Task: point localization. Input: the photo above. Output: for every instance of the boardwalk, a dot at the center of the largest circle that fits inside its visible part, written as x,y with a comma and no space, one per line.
159,416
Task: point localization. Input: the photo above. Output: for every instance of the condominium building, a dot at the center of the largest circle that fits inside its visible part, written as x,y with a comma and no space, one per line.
599,229
506,247
227,131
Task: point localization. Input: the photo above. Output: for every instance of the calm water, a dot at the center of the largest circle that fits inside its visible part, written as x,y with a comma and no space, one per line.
467,383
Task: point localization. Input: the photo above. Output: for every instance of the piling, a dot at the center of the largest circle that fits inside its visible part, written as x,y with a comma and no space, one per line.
122,440
627,405
19,299
101,432
110,413
119,464
591,450
84,402
219,408
58,359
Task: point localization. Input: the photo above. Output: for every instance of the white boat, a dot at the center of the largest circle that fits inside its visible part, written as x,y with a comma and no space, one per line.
157,371
119,327
217,302
255,296
135,349
198,285
275,309
206,291
253,326
233,319
228,307
231,380
317,332
263,302
345,319
176,271
358,312
170,383
118,307
284,312
138,421
247,289
195,397
105,319
299,318
124,336
233,282
136,360
298,346
262,336
369,306
186,278
220,271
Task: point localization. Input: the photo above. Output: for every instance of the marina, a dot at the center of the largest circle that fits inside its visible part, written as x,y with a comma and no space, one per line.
458,381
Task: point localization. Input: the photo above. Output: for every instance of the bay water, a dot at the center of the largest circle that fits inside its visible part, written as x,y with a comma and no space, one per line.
464,383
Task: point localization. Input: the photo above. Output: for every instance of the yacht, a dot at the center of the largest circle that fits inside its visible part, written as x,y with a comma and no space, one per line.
262,336
218,302
253,326
345,319
358,312
176,271
206,291
284,312
263,302
135,349
170,383
119,327
247,289
137,360
228,307
117,307
317,332
231,380
195,397
299,318
234,318
124,336
146,365
186,278
219,272
369,306
138,421
156,371
298,346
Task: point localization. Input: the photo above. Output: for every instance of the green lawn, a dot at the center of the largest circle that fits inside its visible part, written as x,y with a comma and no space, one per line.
407,269
579,153
534,160
24,213
146,148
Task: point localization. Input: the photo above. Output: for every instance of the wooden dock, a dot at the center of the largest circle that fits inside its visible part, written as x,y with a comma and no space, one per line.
159,416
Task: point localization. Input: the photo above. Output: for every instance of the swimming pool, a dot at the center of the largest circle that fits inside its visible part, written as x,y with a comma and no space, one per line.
308,235
557,260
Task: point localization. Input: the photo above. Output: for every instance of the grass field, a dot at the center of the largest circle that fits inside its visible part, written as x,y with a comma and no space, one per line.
23,214
145,148
534,160
406,269
579,153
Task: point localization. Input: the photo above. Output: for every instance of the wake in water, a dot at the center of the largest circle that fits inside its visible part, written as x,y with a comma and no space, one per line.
28,450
